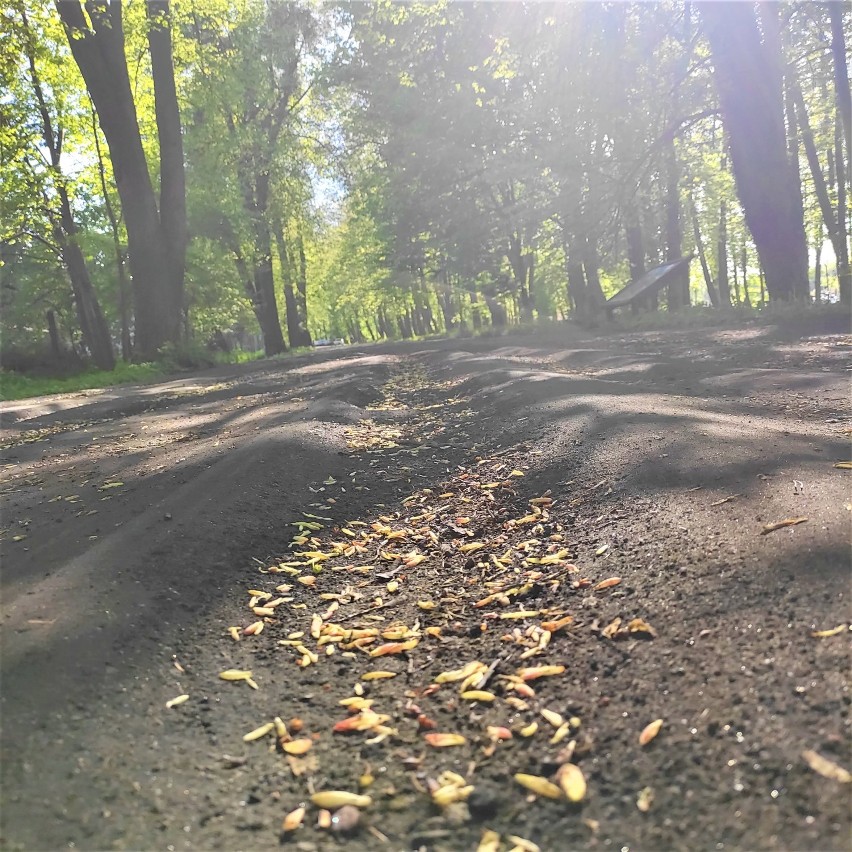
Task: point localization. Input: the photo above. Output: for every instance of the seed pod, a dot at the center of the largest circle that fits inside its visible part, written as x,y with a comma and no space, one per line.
650,731
444,740
235,674
572,782
293,820
258,733
339,798
298,746
281,731
478,695
176,702
538,785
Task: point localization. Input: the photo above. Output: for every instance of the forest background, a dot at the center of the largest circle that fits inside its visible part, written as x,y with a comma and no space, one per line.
260,175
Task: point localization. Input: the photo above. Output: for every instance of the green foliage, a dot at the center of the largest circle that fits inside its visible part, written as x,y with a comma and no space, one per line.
441,164
16,386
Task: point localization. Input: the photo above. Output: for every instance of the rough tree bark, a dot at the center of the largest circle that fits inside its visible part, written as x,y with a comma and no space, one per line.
97,44
749,84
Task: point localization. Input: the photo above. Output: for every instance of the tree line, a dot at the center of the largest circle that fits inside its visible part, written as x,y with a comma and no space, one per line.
274,172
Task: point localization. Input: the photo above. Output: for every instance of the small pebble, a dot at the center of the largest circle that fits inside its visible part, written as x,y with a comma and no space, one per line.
345,819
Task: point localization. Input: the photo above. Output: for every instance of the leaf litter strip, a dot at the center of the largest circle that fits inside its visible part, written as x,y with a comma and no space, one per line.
449,565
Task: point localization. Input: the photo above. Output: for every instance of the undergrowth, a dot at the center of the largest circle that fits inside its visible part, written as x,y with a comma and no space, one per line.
173,359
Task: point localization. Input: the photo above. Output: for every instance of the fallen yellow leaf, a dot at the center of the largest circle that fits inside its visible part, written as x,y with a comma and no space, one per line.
176,702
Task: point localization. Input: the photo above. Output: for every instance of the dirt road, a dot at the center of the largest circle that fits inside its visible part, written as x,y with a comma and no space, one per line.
497,504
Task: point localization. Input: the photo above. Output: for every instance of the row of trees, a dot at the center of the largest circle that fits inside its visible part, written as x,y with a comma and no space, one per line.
175,171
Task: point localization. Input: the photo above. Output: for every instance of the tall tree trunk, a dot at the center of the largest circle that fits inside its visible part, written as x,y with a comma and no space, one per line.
744,261
702,256
290,275
841,166
790,85
264,281
841,70
576,287
677,290
834,224
476,317
120,266
722,257
173,228
635,252
591,266
95,330
818,266
754,117
53,331
98,50
302,292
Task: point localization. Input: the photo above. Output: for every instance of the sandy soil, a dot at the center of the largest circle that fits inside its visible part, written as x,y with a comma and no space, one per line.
137,520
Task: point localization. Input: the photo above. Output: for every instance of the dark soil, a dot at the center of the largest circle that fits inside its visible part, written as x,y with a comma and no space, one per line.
137,520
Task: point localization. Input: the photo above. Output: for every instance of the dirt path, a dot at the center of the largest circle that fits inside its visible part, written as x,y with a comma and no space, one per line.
492,504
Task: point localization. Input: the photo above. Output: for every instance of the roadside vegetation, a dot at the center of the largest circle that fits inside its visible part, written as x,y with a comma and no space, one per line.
252,176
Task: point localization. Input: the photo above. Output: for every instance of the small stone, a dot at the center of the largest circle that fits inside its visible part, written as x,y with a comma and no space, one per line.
345,819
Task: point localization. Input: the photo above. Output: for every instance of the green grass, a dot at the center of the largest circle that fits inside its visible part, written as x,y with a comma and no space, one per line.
17,386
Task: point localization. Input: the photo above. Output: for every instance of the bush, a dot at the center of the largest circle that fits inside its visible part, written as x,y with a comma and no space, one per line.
175,357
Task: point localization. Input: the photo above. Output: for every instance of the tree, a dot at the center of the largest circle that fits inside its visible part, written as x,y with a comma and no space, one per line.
749,84
156,233
56,196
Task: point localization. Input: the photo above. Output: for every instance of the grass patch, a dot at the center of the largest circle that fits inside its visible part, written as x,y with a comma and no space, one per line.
14,385
17,386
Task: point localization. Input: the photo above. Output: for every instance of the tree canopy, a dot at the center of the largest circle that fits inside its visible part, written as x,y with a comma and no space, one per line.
266,174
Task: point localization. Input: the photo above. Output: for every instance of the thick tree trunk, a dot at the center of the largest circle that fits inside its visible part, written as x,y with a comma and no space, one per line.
99,52
841,70
295,331
53,331
173,227
749,83
262,275
576,287
591,266
95,330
